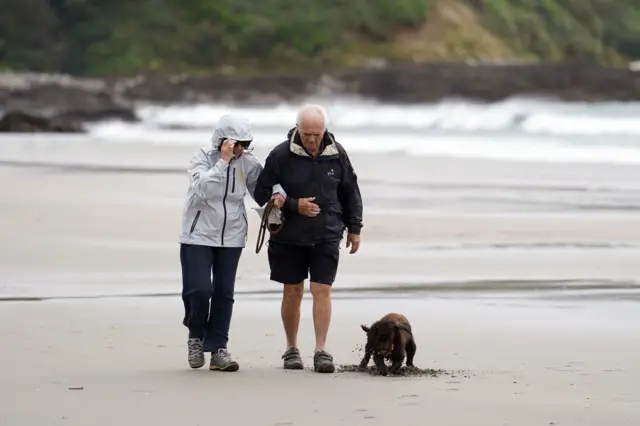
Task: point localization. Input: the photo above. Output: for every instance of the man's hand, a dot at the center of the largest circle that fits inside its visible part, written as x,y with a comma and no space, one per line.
226,152
278,200
353,240
306,207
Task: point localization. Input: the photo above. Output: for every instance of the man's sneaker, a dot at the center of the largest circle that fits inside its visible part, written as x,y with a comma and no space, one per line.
196,353
323,362
292,359
222,361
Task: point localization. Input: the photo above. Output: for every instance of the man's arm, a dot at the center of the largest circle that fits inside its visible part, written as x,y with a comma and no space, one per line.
255,169
207,182
350,198
268,183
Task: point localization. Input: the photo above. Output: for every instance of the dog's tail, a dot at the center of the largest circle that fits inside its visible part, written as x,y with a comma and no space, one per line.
365,328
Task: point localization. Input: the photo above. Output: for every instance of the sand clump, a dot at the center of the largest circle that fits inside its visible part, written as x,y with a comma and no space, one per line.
406,371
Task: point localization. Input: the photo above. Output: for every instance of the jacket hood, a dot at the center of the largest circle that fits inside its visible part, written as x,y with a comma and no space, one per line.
231,126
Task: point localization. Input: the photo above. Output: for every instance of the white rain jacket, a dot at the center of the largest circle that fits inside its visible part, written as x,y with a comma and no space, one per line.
214,213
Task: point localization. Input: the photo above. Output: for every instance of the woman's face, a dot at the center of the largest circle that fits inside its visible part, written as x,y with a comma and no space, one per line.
238,149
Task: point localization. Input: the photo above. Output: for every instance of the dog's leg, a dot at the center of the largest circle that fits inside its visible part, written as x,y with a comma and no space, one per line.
411,352
380,365
397,362
367,357
395,367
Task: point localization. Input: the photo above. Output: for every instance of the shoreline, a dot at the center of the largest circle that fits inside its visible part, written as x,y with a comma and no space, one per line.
87,152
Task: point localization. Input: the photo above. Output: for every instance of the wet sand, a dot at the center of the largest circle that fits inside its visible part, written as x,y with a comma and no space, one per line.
539,306
105,232
73,233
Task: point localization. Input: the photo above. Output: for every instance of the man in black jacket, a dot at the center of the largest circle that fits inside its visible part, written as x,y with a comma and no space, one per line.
323,198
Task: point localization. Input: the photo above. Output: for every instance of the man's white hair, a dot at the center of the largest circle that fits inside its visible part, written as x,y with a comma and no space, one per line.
312,109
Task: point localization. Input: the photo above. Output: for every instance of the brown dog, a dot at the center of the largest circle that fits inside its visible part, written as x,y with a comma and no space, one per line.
389,338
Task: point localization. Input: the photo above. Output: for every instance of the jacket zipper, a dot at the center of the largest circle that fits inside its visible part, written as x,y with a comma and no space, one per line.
195,221
246,235
224,204
233,187
317,232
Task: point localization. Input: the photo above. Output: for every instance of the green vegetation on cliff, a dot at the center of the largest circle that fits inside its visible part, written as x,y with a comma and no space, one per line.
116,37
602,30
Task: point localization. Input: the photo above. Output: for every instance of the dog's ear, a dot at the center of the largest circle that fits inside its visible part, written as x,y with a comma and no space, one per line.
365,328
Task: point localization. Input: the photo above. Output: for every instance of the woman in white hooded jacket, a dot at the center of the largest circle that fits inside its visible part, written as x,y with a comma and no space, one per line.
213,234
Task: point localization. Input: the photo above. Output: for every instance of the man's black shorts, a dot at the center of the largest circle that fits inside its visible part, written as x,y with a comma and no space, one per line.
291,264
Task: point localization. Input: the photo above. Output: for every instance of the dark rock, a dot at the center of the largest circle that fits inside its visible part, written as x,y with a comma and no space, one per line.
23,122
63,97
61,100
493,82
401,83
83,100
220,88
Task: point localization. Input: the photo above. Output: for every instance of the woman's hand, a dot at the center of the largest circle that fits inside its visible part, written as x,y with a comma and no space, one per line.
226,152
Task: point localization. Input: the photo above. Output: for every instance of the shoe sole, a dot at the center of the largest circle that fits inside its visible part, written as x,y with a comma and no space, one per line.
231,367
325,369
294,367
200,364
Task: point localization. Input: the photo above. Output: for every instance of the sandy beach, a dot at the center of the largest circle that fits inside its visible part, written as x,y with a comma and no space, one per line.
537,305
527,366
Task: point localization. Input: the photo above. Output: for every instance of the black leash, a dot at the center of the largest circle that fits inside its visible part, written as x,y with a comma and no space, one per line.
264,225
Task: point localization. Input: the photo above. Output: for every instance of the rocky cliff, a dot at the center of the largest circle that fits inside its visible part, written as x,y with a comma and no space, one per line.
89,99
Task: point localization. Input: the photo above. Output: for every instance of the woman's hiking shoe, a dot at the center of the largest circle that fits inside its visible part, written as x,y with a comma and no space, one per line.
323,362
292,359
196,353
222,361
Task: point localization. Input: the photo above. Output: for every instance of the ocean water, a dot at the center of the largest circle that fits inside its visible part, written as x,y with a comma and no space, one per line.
514,129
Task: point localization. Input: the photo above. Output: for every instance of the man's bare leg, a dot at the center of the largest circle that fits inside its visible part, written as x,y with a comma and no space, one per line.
290,313
322,360
321,313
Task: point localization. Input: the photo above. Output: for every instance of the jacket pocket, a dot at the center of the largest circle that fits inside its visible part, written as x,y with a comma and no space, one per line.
333,224
195,221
